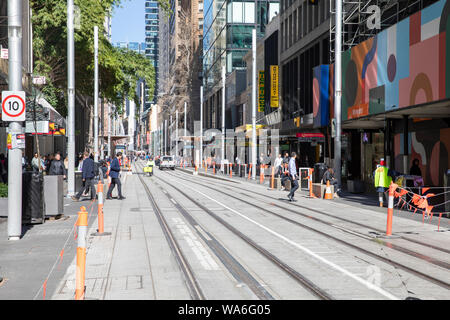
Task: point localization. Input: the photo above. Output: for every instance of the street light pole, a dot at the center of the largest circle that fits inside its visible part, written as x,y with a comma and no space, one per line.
201,127
185,129
95,93
15,155
254,103
176,135
338,91
223,117
71,99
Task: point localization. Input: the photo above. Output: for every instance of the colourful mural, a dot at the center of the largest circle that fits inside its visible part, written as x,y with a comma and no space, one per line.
402,66
431,148
321,101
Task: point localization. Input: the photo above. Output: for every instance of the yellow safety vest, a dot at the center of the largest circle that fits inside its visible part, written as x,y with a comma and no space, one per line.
381,177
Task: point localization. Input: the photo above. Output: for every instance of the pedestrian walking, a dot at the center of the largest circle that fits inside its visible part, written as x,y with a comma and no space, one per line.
37,164
57,167
285,171
88,176
293,176
114,173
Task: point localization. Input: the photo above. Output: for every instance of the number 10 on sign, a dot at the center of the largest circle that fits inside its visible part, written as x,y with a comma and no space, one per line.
13,106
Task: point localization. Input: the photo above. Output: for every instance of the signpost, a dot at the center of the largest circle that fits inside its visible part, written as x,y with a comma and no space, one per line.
274,87
261,101
13,106
4,53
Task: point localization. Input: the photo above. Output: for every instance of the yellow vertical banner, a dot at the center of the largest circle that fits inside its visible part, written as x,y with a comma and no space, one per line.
274,87
261,91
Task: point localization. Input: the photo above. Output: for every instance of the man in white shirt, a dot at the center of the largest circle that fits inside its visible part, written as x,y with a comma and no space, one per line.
293,176
277,165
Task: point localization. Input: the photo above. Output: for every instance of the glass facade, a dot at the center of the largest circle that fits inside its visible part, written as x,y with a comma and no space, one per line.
151,41
227,34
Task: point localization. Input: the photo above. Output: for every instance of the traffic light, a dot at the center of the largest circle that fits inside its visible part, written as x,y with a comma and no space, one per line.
313,2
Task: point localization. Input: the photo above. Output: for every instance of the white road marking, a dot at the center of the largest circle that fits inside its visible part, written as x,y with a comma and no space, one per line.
171,199
306,250
199,250
202,232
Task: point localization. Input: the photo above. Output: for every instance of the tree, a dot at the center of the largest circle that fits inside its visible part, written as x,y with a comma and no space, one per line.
118,69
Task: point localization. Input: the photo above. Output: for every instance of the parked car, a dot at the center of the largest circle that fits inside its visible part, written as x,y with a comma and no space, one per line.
167,162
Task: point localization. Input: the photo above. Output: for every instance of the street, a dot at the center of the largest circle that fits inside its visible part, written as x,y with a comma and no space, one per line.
179,236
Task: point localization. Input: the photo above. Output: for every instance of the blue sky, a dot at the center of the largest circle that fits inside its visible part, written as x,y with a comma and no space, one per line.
128,22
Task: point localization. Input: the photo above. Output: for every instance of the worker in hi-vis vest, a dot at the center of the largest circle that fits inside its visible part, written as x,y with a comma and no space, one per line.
150,166
383,178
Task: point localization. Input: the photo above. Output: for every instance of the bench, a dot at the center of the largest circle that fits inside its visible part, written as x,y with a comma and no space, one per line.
320,188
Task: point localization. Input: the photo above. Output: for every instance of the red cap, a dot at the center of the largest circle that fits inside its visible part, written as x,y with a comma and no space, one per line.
382,163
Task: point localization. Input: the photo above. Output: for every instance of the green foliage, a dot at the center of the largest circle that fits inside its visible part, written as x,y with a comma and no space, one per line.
3,190
118,70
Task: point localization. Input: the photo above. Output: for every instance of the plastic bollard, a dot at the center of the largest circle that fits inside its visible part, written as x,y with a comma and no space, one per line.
82,224
390,212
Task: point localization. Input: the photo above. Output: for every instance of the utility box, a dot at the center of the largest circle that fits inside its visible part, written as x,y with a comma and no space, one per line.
54,195
32,198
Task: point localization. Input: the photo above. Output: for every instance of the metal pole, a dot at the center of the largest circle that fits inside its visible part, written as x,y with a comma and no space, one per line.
15,155
253,159
170,134
223,116
338,91
109,130
185,128
176,135
95,93
71,99
165,137
201,126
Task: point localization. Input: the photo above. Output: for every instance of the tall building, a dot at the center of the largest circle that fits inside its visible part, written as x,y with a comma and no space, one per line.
151,40
227,37
139,47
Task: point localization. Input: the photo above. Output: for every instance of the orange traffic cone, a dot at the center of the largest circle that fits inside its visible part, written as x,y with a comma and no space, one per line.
328,194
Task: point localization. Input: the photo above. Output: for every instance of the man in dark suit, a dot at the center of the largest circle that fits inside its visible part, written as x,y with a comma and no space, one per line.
114,172
88,176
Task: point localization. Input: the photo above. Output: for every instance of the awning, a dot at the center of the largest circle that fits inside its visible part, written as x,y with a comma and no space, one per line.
438,110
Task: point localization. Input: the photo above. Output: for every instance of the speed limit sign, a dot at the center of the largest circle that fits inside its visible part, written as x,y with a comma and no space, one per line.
13,106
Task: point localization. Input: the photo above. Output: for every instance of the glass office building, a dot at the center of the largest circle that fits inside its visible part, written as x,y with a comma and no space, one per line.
227,35
151,41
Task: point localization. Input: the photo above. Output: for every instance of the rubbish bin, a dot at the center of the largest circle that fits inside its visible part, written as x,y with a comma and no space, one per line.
33,210
53,195
319,171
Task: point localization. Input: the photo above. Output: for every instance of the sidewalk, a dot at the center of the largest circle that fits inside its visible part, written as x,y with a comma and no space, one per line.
26,264
131,263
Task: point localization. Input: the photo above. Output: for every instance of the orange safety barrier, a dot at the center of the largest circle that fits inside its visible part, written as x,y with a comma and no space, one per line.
214,167
328,195
272,181
250,172
261,174
231,170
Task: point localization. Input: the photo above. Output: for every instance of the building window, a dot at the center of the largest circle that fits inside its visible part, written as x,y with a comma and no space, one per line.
241,12
300,31
294,31
290,30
